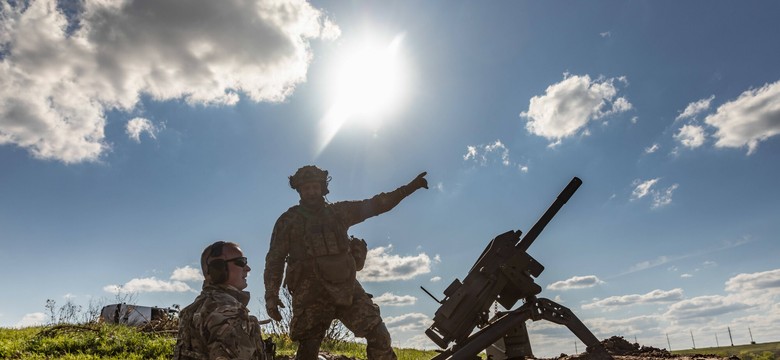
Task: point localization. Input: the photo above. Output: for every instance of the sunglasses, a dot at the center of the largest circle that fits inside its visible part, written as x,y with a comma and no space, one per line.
239,261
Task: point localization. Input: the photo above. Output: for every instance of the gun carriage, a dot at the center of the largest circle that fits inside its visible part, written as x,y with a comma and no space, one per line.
504,273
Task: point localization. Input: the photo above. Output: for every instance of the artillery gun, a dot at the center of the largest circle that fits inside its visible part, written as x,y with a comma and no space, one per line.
504,273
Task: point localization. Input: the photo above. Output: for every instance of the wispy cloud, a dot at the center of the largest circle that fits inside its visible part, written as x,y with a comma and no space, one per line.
566,107
576,282
655,296
696,108
389,299
59,80
495,152
660,198
436,279
652,148
746,121
381,265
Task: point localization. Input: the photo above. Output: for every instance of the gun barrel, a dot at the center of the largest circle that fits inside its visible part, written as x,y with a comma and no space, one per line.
563,197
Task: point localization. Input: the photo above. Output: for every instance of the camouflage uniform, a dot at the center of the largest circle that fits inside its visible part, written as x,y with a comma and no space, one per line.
315,245
217,325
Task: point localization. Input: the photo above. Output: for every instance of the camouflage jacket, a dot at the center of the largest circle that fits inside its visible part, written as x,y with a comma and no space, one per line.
217,325
290,231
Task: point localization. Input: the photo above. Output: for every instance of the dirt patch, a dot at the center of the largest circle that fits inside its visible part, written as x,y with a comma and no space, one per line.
620,349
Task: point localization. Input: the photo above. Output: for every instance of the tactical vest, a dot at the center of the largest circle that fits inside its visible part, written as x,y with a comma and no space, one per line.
320,245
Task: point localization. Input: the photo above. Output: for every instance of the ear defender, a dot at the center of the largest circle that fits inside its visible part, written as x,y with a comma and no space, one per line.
218,268
218,271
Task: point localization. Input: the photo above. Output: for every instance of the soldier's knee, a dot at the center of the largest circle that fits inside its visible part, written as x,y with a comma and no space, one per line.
378,344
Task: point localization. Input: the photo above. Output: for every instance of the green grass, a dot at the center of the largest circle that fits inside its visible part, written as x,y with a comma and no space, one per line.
115,342
84,342
765,351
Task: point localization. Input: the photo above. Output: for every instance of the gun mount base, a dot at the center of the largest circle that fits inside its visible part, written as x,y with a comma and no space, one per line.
510,327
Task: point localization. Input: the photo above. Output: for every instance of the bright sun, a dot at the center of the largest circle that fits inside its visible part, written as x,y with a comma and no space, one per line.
368,85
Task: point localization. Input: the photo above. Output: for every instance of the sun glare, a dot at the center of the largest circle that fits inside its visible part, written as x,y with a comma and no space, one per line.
368,85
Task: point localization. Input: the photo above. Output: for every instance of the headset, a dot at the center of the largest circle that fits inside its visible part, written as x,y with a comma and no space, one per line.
217,269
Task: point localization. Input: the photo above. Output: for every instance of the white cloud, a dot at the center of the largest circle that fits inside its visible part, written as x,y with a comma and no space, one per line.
655,296
33,319
408,322
650,263
576,282
137,126
187,273
56,85
389,299
695,108
660,197
642,188
144,285
566,107
663,198
704,307
495,152
605,34
691,136
753,117
436,279
653,148
762,281
685,276
381,265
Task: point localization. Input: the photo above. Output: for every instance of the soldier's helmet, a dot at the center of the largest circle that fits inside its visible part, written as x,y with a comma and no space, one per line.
310,173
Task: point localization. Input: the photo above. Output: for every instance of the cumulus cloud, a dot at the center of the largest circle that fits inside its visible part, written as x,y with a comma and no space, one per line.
576,282
704,307
632,325
751,118
655,296
33,319
566,107
695,108
137,126
766,280
145,285
187,273
58,80
389,299
408,322
495,152
691,136
381,265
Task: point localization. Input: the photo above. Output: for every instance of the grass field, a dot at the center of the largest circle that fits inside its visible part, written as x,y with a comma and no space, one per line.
765,351
118,342
115,342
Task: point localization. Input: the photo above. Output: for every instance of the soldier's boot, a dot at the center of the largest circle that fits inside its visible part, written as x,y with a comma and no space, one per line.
308,349
378,344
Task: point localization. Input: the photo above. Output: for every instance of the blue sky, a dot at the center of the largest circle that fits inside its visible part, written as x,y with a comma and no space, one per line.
135,133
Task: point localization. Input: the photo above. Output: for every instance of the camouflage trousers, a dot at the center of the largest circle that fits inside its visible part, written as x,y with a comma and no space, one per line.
314,309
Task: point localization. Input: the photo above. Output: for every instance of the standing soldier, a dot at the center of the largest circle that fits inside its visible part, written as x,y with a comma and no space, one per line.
217,325
321,264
